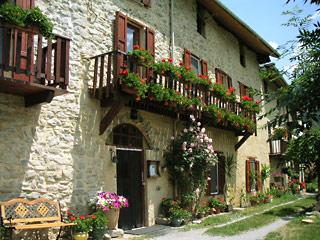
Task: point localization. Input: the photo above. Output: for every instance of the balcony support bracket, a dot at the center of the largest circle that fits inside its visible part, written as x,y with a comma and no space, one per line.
111,114
38,98
242,141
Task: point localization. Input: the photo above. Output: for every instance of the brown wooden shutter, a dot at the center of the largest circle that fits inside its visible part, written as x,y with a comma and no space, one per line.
120,36
242,90
222,175
229,82
187,58
150,41
258,185
204,68
25,45
248,184
146,3
219,78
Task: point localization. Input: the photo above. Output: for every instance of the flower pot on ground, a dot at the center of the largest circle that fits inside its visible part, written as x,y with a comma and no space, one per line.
98,232
229,208
80,236
110,204
176,222
200,215
218,210
222,210
99,223
169,203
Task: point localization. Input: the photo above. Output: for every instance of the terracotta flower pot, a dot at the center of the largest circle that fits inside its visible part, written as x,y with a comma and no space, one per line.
129,90
218,210
113,218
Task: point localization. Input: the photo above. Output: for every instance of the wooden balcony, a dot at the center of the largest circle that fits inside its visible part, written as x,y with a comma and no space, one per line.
278,147
106,86
31,66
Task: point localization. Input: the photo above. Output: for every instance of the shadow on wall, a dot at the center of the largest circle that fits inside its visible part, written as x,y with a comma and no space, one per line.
19,168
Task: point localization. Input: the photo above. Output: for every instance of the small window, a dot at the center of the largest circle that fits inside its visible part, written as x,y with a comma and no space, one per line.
133,37
214,175
242,55
200,20
127,135
217,177
195,65
253,169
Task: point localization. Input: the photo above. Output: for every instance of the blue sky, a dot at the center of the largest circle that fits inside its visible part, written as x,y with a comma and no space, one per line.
264,17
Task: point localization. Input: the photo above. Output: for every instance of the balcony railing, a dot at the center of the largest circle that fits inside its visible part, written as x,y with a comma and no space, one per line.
29,64
278,147
106,85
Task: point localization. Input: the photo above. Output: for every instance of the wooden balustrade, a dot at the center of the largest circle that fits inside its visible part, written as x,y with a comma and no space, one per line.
278,147
106,84
33,60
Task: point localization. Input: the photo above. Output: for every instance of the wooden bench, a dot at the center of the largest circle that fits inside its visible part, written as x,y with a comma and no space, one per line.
22,214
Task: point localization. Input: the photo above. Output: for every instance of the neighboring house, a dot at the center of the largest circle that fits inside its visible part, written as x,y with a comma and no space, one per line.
65,150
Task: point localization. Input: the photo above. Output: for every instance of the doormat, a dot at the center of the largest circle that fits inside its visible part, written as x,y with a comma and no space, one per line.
154,230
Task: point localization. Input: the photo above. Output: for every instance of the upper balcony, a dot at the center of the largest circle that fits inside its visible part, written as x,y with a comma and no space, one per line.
278,147
35,68
186,97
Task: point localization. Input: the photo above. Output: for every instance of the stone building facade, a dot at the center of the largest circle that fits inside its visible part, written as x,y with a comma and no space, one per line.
55,151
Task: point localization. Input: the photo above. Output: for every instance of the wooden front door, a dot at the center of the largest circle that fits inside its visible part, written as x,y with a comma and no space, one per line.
129,185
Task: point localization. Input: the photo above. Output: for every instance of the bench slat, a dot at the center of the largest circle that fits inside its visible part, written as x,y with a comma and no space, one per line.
44,225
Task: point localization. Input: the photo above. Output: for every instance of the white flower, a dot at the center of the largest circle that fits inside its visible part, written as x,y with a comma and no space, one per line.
190,150
209,178
172,138
164,148
190,129
203,130
185,130
199,124
197,190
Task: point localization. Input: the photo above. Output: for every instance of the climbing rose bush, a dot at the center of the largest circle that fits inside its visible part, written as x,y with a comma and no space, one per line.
189,158
106,201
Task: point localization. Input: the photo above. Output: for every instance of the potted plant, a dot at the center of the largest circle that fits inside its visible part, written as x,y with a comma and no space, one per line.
169,203
110,204
132,83
177,215
16,15
202,210
141,56
99,223
83,226
215,203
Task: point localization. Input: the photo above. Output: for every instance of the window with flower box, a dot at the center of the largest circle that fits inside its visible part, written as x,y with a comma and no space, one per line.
252,164
244,91
129,33
223,78
216,180
198,66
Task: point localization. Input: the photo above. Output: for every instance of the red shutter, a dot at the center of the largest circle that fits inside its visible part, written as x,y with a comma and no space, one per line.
258,186
204,68
150,40
187,57
248,184
146,2
25,4
219,78
229,82
120,36
221,171
242,90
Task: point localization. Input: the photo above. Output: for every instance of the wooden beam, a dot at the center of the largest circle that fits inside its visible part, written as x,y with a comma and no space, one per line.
112,113
37,98
242,141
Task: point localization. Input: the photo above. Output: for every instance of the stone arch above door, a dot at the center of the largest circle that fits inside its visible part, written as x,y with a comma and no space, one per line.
142,125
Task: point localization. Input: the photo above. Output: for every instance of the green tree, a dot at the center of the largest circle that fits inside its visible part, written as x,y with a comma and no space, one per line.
301,98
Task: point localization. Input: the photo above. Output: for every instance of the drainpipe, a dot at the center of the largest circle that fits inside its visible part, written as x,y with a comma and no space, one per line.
175,123
171,30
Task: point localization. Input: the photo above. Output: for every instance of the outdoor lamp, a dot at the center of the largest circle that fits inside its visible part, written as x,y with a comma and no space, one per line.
114,158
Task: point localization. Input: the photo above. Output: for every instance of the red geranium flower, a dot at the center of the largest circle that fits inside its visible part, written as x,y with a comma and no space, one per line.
166,104
170,59
163,60
181,64
72,218
69,213
136,46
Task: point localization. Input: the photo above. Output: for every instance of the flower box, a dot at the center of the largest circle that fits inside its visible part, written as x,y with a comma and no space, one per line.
129,90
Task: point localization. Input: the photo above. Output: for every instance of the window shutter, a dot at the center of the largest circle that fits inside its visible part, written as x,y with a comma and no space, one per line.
258,186
25,4
187,58
221,171
219,78
204,68
146,3
121,32
229,82
150,40
248,184
242,90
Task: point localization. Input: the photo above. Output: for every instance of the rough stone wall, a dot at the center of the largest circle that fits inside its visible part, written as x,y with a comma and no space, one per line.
55,151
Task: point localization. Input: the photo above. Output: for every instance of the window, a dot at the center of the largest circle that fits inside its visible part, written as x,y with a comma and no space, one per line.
223,78
242,55
194,62
252,171
129,34
195,65
133,37
200,19
127,135
217,177
244,91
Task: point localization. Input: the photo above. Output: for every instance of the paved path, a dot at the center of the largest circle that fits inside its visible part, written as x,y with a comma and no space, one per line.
198,234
